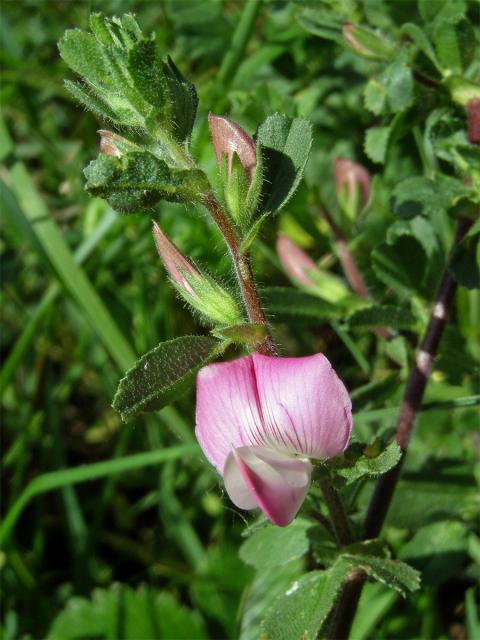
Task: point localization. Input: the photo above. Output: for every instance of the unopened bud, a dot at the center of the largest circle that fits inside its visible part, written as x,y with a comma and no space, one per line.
297,264
354,178
366,42
175,262
229,138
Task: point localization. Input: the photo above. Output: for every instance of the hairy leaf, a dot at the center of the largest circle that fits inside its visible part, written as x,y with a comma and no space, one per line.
273,546
382,316
162,374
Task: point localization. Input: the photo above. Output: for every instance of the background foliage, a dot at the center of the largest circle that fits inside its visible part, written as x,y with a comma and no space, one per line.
134,538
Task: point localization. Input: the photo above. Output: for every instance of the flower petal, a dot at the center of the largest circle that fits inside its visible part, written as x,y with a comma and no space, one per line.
305,406
274,481
227,414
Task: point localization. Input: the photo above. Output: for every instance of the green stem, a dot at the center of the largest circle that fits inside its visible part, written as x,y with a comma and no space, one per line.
338,516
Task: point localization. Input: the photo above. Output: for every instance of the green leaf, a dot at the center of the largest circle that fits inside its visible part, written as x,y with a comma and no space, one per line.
376,143
291,303
323,23
184,101
162,374
138,180
421,40
304,607
438,550
285,145
122,612
275,546
370,461
375,96
398,82
401,266
373,557
423,196
382,316
455,44
261,593
465,262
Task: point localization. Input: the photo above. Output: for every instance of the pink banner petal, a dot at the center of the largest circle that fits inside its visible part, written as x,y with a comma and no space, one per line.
274,481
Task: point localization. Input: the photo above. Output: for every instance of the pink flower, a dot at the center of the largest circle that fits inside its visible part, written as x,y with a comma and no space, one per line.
297,264
259,419
229,138
352,175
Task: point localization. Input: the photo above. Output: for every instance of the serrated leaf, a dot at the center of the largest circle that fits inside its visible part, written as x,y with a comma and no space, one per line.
275,546
146,69
285,145
375,96
371,463
376,143
373,558
85,55
304,607
162,374
138,180
392,316
291,303
184,101
122,612
423,196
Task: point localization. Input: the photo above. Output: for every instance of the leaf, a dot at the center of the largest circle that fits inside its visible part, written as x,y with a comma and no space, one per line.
138,180
323,23
122,612
184,101
162,374
465,262
455,45
392,316
398,81
275,546
285,147
291,303
375,96
373,557
376,142
438,550
401,265
421,40
372,462
423,196
266,586
301,610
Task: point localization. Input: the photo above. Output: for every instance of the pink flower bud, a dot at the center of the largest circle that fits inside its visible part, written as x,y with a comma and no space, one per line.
259,421
296,262
175,263
107,143
229,138
352,175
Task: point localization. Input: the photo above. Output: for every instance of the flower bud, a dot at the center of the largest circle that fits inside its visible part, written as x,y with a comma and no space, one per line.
296,262
175,263
229,138
353,185
366,42
200,290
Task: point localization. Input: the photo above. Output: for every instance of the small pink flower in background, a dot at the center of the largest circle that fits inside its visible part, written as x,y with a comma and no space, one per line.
260,419
352,175
295,261
175,263
229,138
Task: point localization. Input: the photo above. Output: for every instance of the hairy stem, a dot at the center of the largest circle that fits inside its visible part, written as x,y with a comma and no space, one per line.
350,268
339,518
344,613
243,271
